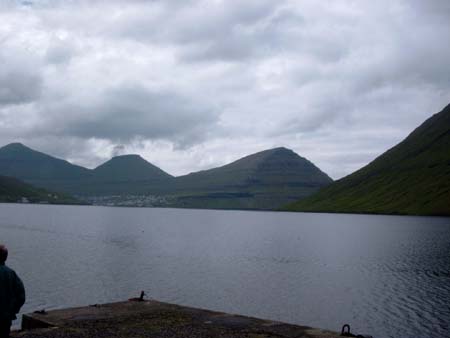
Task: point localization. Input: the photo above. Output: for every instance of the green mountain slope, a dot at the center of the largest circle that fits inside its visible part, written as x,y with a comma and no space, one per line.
264,180
123,174
129,168
14,190
411,178
127,174
39,169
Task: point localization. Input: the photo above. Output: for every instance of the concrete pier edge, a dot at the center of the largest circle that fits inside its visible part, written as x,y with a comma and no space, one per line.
151,318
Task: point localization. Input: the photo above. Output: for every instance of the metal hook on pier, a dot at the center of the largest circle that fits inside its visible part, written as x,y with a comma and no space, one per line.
345,332
140,298
41,312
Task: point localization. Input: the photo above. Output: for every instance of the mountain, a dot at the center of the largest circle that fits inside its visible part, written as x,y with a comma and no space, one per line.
127,174
129,168
122,174
13,190
39,169
411,178
264,180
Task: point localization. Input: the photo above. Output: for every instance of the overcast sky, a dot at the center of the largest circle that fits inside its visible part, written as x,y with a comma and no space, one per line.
194,84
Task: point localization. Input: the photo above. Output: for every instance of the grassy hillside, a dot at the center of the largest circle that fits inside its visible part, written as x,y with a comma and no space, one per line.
411,178
127,174
39,169
122,174
13,190
265,168
128,168
265,180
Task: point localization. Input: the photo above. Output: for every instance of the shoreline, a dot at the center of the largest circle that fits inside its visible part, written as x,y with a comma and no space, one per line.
241,210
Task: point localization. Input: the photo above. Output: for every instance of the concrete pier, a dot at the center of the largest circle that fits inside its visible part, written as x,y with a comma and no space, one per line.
133,319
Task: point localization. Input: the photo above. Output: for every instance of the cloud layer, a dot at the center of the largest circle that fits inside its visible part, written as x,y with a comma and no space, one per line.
195,84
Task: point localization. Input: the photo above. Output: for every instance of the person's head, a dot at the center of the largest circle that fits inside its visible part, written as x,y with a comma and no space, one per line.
3,254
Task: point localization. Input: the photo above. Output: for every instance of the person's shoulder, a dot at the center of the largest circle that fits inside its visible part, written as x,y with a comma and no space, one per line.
7,269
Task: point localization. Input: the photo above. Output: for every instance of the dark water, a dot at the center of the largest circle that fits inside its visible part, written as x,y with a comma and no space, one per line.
385,275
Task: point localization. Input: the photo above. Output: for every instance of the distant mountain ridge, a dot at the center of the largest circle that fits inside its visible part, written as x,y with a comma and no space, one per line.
264,180
13,190
411,178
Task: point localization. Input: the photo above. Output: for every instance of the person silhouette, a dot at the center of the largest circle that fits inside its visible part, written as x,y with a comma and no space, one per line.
12,294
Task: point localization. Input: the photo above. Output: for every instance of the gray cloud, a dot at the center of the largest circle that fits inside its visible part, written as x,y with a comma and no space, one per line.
118,150
229,31
60,51
126,112
20,79
203,30
197,83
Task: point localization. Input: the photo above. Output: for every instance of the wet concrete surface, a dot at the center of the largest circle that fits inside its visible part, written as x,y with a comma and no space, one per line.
133,319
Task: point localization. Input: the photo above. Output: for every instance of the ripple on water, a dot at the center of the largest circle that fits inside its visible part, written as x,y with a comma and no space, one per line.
387,276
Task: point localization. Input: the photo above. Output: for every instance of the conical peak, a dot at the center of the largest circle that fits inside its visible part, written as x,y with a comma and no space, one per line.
128,156
277,153
15,146
282,150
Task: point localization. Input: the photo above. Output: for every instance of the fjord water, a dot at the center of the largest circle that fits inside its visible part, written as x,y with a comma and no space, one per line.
385,275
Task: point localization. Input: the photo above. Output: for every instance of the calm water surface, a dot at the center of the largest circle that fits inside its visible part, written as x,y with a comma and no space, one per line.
385,275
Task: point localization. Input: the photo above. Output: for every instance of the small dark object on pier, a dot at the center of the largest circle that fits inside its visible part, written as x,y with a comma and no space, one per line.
345,332
41,312
139,299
